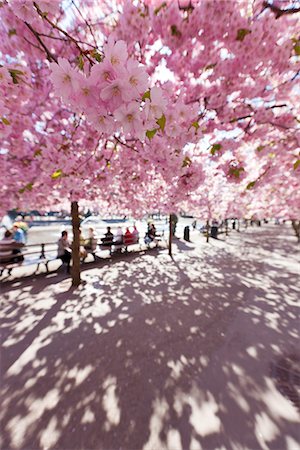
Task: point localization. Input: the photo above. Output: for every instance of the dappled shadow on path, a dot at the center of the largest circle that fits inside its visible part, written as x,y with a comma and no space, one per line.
151,353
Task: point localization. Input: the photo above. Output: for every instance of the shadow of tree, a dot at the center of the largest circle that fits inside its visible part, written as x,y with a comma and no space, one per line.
152,353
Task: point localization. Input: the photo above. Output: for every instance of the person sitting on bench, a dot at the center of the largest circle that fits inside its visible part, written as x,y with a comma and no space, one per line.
64,251
91,242
118,241
135,235
108,238
150,235
10,249
128,237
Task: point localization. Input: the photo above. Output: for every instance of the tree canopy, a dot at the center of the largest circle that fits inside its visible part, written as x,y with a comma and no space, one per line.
150,105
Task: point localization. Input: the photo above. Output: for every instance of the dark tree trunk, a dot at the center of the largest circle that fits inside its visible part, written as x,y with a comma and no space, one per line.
226,227
296,227
75,245
207,230
170,234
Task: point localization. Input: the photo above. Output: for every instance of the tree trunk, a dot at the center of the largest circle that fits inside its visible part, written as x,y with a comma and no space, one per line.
170,234
75,245
296,227
207,230
226,227
238,225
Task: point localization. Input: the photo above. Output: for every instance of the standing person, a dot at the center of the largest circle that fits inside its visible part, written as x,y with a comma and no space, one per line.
18,234
64,251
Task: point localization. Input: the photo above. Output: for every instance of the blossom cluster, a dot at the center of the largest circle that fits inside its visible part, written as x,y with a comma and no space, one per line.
116,95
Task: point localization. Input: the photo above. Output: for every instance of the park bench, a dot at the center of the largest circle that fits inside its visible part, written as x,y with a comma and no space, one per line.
31,255
118,245
43,254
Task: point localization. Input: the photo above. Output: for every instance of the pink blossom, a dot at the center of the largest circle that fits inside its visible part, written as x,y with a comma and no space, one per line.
24,10
3,109
115,52
137,76
155,107
101,121
102,74
64,77
116,92
85,92
48,6
5,78
129,117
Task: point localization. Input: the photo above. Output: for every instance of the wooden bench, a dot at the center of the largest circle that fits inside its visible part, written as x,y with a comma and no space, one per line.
37,254
30,256
119,245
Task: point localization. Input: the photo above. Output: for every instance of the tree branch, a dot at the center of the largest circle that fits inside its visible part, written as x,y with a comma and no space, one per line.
44,17
50,57
280,12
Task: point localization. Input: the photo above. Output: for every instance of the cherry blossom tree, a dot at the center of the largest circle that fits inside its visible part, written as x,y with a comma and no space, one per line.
128,103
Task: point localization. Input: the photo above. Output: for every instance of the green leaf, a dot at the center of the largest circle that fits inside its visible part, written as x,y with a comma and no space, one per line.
161,122
215,148
186,162
163,5
251,185
108,164
297,48
195,125
146,95
260,148
56,174
242,33
151,133
80,62
175,31
236,171
296,164
5,121
15,73
12,32
97,56
37,152
28,187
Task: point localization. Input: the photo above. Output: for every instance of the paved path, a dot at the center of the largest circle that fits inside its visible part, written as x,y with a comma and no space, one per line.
195,352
